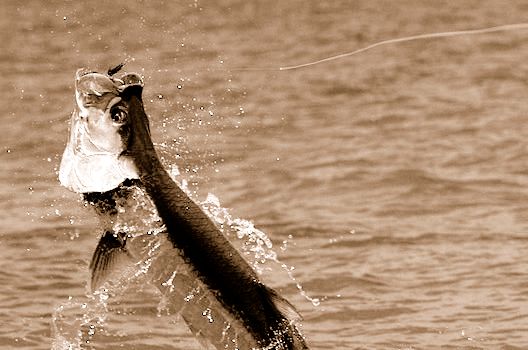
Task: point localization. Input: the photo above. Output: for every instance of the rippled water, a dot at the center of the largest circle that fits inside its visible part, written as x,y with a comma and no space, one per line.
394,181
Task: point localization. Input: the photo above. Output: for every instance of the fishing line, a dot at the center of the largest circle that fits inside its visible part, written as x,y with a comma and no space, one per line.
502,28
507,27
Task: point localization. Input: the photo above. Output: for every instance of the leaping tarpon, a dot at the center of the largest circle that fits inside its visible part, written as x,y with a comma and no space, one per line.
110,155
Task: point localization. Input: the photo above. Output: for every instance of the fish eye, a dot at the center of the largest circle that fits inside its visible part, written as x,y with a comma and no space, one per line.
118,114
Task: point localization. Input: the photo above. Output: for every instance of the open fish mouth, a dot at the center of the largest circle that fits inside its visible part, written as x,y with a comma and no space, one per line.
94,160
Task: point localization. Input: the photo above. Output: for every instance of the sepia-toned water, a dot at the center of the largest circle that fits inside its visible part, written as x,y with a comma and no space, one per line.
395,181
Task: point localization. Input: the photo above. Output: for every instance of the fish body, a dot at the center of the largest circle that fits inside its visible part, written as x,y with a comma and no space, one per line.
214,281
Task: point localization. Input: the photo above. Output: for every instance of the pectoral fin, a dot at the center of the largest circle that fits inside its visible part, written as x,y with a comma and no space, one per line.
109,254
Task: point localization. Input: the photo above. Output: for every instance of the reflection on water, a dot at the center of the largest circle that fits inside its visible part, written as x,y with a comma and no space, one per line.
394,181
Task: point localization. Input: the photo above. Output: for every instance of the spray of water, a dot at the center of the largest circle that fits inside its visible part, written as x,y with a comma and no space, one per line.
256,243
74,322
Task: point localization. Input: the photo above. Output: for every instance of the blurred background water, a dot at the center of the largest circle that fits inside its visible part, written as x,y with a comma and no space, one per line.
395,181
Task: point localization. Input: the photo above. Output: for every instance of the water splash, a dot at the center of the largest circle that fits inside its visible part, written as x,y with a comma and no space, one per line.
207,313
255,242
77,321
74,322
170,282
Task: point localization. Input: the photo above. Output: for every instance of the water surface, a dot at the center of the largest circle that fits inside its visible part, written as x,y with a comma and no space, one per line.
394,181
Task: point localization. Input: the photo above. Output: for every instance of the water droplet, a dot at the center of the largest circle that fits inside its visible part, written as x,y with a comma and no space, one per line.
91,331
207,314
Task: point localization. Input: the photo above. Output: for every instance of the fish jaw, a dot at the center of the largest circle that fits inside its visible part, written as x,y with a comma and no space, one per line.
93,159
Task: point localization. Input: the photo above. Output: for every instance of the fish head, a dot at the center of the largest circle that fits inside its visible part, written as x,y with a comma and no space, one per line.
95,159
